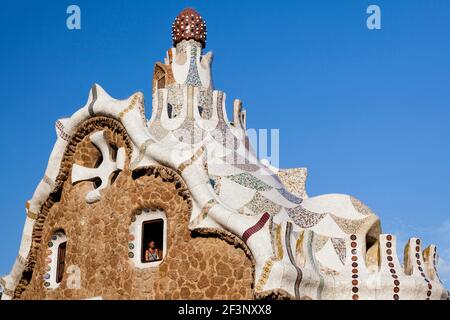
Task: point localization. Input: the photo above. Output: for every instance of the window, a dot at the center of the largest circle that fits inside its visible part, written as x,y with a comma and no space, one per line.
61,262
159,77
147,241
170,111
152,240
56,260
162,83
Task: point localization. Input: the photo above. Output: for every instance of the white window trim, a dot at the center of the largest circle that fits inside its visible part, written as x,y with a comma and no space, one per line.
50,276
135,241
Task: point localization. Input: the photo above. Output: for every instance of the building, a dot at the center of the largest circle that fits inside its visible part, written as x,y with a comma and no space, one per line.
179,207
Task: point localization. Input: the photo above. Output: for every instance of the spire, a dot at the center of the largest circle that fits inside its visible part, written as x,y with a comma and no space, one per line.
189,25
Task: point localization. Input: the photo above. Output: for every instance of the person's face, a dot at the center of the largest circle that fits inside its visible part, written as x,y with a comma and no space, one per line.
152,244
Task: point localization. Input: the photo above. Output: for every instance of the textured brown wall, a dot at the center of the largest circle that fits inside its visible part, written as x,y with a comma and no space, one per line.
194,267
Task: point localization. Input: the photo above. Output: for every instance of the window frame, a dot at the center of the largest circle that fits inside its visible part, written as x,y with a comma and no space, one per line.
145,222
135,241
61,261
54,274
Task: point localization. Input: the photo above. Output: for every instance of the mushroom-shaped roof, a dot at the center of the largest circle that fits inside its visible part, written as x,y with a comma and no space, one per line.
189,25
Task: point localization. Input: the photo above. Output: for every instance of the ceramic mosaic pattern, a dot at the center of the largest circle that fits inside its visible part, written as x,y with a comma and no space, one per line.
269,211
205,103
247,180
193,78
259,204
339,246
304,218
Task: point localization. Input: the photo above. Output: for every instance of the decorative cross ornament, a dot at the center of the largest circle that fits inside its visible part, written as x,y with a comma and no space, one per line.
104,171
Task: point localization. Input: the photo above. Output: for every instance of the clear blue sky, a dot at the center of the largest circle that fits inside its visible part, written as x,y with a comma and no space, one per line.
366,111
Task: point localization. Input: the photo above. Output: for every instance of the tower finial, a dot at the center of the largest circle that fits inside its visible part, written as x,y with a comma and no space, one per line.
188,25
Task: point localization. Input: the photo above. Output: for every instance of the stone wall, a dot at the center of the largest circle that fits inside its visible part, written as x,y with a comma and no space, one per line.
195,267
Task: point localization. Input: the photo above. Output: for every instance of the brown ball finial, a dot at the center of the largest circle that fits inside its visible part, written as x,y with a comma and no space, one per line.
189,25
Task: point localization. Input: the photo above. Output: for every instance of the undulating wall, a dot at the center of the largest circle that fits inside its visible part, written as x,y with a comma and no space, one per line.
195,267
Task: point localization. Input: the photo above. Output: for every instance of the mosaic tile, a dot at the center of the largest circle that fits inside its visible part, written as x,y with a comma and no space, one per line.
193,79
339,247
260,204
318,242
215,182
189,132
304,218
247,167
175,98
289,196
247,180
351,226
360,207
205,100
224,136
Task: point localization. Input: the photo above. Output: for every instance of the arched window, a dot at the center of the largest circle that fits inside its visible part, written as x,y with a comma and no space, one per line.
159,76
56,260
148,238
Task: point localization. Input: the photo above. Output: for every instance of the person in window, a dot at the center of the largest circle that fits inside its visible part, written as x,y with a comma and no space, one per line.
152,253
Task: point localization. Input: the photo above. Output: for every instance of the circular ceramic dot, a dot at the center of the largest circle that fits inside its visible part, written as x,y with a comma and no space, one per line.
389,251
50,244
397,283
54,237
354,264
355,276
355,282
423,275
420,269
430,286
353,244
355,297
354,258
47,284
388,244
355,271
393,271
417,256
418,241
428,293
131,237
395,276
396,297
418,262
131,246
46,276
389,258
355,289
396,289
390,264
417,249
353,251
353,237
130,255
388,237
